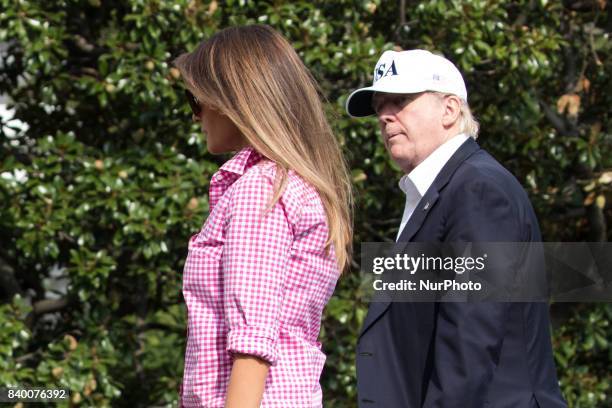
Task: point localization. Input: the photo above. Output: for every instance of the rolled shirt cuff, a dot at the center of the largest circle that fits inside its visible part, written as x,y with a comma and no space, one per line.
254,341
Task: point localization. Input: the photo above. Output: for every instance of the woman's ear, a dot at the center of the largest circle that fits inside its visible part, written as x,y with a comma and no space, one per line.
452,110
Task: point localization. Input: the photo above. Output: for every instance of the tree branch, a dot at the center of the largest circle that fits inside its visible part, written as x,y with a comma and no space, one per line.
375,233
555,120
45,306
401,21
8,282
163,327
402,13
597,222
22,359
390,221
49,306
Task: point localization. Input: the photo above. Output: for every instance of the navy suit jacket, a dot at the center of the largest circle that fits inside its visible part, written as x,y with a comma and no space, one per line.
464,355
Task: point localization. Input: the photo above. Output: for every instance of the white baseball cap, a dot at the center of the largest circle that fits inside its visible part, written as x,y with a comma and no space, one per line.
406,72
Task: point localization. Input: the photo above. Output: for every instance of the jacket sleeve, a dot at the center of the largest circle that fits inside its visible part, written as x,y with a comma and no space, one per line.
469,336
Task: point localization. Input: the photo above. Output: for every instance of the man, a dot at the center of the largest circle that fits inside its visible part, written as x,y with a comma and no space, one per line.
464,355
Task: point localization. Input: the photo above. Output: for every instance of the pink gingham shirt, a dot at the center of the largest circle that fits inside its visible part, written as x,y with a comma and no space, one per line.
255,282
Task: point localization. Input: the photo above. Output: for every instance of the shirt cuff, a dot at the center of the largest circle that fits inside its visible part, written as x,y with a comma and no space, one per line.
254,341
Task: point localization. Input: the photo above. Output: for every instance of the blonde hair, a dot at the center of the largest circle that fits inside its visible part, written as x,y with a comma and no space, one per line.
253,75
467,123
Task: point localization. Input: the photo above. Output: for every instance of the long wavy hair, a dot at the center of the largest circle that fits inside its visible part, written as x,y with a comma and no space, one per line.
253,75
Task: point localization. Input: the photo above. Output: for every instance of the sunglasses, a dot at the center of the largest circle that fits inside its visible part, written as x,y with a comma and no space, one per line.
194,104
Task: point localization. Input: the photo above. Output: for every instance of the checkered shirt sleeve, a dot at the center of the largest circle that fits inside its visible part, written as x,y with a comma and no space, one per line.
255,254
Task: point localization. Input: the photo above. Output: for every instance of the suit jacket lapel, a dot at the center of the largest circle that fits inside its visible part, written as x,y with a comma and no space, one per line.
377,308
431,196
419,214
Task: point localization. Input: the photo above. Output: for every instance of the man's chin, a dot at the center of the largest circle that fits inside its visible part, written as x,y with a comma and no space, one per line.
400,157
405,165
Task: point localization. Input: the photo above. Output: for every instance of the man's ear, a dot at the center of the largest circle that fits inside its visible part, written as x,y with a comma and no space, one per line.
452,110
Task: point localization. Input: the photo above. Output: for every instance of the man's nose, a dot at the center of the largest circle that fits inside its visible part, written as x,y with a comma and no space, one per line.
386,113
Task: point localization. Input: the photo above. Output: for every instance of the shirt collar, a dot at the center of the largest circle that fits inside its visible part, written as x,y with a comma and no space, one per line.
231,171
241,161
422,176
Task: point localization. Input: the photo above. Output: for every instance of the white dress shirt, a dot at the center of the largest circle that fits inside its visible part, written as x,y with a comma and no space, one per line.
416,183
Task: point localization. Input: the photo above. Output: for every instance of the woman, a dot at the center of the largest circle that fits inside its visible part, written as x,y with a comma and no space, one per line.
264,265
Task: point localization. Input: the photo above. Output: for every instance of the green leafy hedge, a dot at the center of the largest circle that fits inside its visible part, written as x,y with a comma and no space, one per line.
102,191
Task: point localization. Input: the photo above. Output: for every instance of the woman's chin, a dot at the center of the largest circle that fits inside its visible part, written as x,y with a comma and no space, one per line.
212,149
